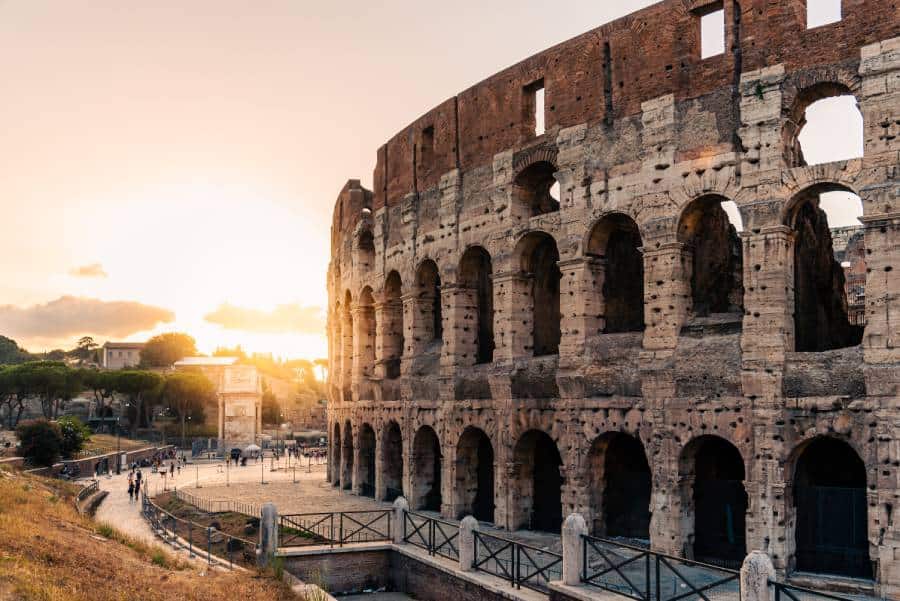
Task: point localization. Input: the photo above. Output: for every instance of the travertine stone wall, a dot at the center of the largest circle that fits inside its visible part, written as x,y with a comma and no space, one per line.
671,131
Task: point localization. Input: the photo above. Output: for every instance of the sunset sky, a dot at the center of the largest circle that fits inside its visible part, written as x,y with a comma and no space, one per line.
172,165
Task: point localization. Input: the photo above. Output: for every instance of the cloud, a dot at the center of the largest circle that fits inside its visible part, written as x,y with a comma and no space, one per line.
94,270
283,319
72,316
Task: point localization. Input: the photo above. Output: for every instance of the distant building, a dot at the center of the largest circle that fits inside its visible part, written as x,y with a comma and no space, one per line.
239,391
850,251
118,355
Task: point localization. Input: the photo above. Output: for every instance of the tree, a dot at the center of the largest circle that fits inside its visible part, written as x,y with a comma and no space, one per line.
166,349
51,382
11,353
85,350
188,393
74,435
41,441
224,351
103,385
12,395
271,410
141,387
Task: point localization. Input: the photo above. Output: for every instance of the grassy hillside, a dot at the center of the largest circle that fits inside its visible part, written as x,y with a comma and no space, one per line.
50,552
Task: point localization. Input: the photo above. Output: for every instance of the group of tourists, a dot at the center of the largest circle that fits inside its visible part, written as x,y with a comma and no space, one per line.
135,480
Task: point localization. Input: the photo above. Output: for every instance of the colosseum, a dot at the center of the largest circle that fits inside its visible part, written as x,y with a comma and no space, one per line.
602,281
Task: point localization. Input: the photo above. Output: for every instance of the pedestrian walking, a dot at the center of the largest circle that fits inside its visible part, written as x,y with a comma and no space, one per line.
137,488
131,491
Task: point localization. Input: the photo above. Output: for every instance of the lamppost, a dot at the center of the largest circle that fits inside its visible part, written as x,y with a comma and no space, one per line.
118,448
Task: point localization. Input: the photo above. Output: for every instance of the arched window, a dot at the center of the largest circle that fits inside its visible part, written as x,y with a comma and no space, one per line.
823,126
474,490
336,456
716,266
428,289
392,329
475,271
365,251
831,509
392,461
366,461
535,187
829,269
347,457
426,470
616,240
620,483
540,259
366,316
347,348
537,485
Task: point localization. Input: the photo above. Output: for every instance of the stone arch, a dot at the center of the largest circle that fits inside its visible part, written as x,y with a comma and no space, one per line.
615,241
536,486
392,460
474,488
391,329
619,483
803,95
821,310
366,484
713,501
425,472
347,457
539,257
336,455
533,188
365,313
714,257
428,296
828,499
365,250
475,279
347,342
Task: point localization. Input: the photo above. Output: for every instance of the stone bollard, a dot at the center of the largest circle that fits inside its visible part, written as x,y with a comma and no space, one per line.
401,506
467,528
756,573
268,534
573,559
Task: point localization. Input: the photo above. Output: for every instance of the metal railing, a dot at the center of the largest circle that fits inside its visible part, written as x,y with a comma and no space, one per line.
437,537
789,592
218,505
87,491
335,528
644,575
199,539
518,563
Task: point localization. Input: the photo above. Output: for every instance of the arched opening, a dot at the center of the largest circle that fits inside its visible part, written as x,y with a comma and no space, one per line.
475,273
428,290
537,487
535,187
620,485
426,472
392,330
366,461
714,501
366,315
616,241
540,259
347,458
831,509
474,490
829,271
347,349
336,456
366,251
824,125
392,461
716,256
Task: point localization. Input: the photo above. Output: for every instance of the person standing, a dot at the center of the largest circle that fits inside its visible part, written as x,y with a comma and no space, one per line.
130,491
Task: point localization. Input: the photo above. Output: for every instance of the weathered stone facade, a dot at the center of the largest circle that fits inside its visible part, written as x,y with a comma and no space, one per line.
619,349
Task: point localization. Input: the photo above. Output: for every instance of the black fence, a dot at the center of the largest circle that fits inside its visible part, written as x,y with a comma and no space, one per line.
88,490
335,528
643,575
199,540
518,563
436,536
788,592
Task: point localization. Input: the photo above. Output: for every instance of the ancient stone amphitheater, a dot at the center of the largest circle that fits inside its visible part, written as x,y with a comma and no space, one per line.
544,307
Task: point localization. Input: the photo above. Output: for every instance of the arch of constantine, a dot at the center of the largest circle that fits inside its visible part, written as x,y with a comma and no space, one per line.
545,307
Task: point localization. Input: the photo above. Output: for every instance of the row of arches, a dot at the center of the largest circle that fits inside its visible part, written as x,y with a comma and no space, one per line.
827,490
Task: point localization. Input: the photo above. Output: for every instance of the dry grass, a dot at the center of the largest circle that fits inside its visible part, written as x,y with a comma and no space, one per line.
49,552
105,442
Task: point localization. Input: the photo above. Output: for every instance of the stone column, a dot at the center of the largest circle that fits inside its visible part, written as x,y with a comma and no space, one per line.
401,506
268,534
380,488
581,306
756,573
389,336
513,316
467,528
415,330
346,352
573,558
461,321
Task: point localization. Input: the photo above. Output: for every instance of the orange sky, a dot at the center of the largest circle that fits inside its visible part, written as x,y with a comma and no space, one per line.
183,156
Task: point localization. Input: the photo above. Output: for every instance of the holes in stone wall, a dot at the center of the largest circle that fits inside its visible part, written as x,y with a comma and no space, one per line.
822,12
476,273
616,240
716,266
474,490
831,508
426,149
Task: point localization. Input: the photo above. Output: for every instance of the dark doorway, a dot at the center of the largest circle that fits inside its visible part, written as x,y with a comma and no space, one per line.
426,470
540,259
720,503
831,509
336,456
475,475
626,499
475,274
540,483
429,291
392,461
367,461
617,240
347,458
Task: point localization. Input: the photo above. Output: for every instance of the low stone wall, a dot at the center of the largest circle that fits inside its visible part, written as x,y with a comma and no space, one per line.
86,465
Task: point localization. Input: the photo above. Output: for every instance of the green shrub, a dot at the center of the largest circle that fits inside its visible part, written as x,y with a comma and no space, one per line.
41,441
74,435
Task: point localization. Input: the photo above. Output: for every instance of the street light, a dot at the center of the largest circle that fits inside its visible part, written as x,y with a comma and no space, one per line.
118,448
